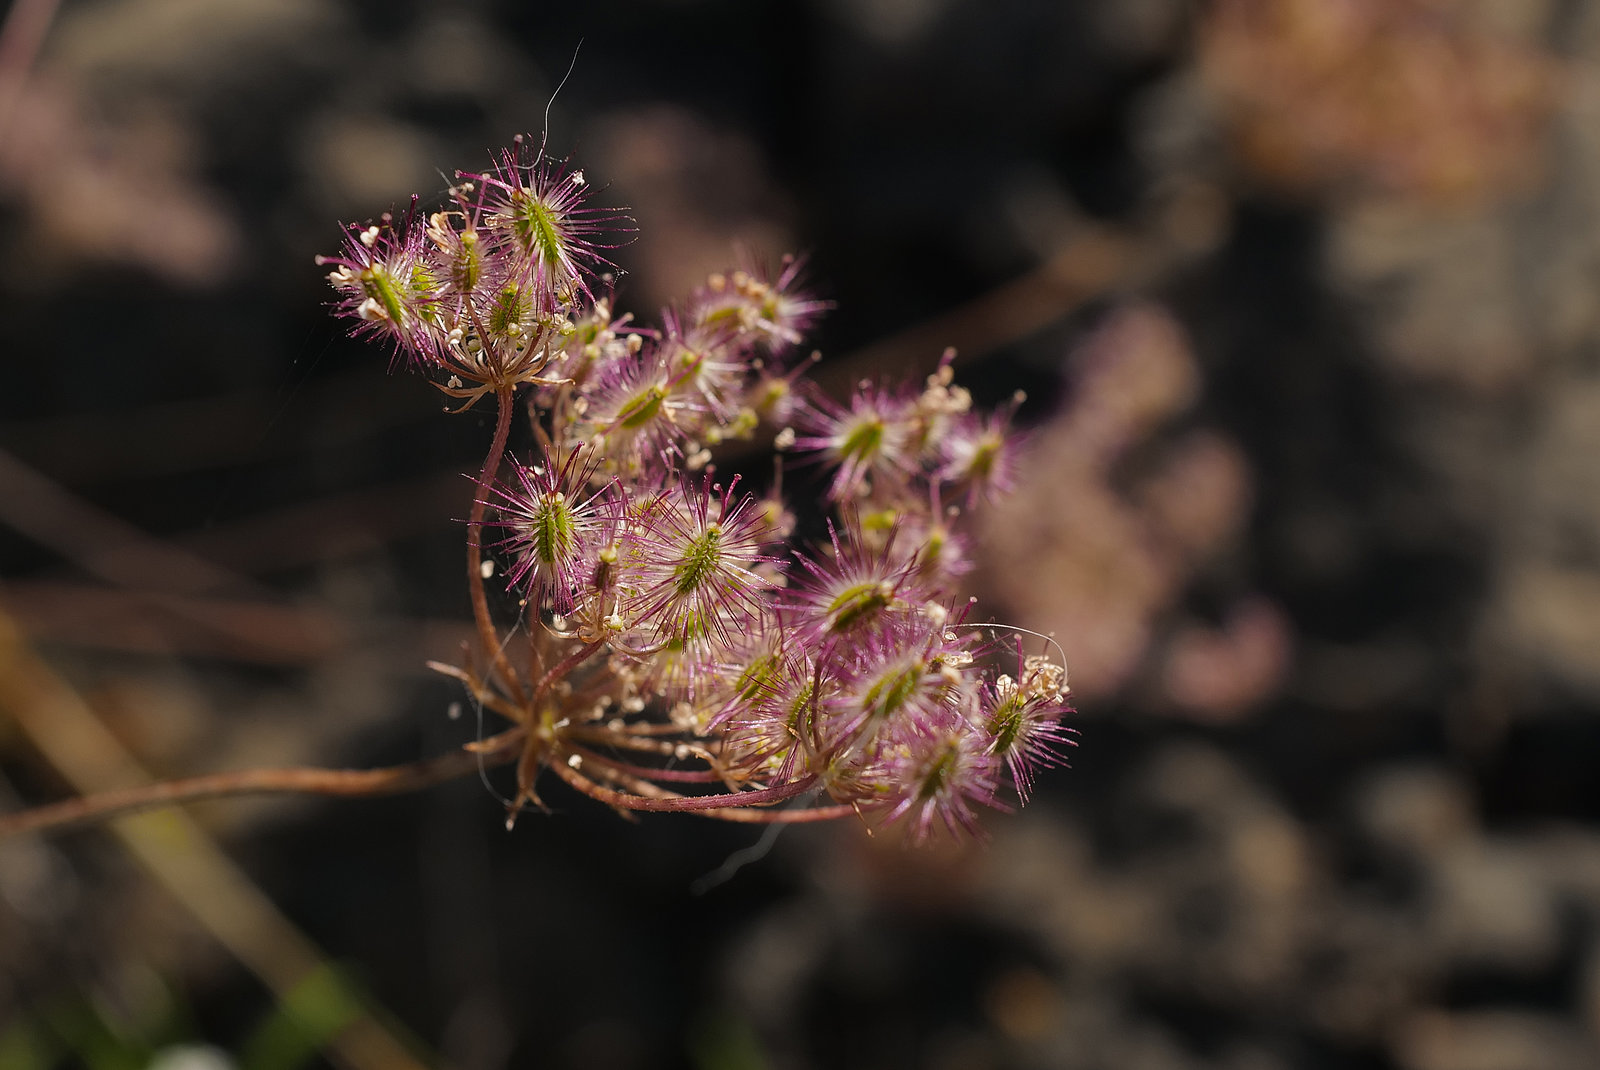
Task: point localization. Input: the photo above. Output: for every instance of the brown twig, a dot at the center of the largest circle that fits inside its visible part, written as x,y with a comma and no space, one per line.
392,780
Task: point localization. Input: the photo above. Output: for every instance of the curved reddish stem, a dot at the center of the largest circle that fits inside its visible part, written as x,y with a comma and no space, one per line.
561,668
487,634
671,802
681,776
747,815
497,750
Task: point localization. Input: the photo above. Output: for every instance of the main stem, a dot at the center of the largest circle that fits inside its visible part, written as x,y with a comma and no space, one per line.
497,750
487,633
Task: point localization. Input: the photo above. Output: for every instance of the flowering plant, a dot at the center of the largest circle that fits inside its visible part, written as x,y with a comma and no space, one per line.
671,650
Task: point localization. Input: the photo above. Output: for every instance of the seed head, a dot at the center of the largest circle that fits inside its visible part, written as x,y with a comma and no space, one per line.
389,287
698,551
535,209
557,524
871,438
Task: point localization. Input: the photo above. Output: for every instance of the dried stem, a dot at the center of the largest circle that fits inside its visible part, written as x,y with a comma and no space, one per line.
392,780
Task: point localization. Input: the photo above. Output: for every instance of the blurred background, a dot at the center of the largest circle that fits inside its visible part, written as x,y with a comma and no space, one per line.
1305,295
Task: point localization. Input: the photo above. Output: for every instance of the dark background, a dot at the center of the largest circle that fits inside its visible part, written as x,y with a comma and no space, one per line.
1303,296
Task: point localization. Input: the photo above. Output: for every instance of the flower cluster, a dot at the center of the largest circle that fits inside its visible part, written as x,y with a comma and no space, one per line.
682,654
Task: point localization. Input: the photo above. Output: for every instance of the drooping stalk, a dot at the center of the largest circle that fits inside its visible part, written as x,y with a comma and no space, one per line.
391,780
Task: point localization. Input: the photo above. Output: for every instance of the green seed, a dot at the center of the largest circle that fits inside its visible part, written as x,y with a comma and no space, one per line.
380,286
858,605
553,533
700,561
863,441
537,227
642,408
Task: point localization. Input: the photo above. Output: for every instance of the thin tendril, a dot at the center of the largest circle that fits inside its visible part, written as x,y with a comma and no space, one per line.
1026,631
744,856
483,769
544,138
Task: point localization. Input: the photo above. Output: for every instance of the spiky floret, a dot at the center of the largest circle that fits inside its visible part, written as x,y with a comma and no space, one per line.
696,560
938,777
769,720
387,283
457,244
893,680
871,439
709,367
634,414
851,592
1021,715
535,208
978,453
748,302
940,548
557,523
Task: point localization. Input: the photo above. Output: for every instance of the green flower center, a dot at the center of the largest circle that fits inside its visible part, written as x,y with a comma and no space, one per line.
863,441
700,561
858,604
553,531
537,225
642,407
890,693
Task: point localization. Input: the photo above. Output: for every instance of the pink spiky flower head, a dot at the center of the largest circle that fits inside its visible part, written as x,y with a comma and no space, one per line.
978,453
873,438
636,413
900,679
537,212
696,562
748,301
557,524
854,592
387,284
939,778
1021,716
